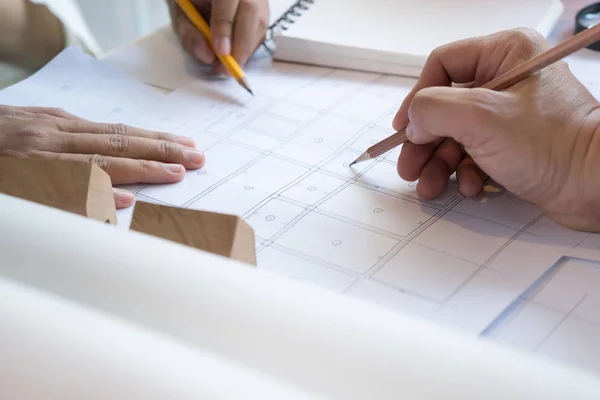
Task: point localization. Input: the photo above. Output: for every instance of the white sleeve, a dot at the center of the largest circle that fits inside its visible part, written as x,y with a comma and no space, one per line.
77,32
73,39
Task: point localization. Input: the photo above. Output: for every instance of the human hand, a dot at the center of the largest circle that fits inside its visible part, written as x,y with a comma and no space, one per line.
129,155
238,27
540,139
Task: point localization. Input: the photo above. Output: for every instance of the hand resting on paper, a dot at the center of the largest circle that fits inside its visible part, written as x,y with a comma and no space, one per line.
129,155
238,27
540,139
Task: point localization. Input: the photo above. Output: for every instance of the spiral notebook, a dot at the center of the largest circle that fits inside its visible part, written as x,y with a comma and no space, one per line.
396,36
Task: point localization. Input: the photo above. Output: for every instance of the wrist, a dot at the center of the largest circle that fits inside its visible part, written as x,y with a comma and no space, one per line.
591,168
581,210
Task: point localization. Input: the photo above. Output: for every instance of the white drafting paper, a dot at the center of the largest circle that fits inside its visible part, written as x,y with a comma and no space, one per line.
76,82
280,160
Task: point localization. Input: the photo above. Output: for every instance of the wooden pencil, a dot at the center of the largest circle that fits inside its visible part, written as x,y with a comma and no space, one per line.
509,78
228,61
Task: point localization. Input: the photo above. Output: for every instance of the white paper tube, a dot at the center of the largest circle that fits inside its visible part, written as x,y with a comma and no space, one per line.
321,341
51,349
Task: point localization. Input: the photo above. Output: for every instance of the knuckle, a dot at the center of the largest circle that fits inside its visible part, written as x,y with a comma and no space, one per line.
164,136
101,161
250,5
60,113
30,135
116,129
117,143
8,111
56,111
438,51
527,41
419,106
145,168
527,34
223,23
34,132
44,116
165,148
263,22
10,152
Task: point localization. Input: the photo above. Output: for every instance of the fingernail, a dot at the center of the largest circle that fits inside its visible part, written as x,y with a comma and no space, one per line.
194,156
222,45
410,132
123,198
395,122
185,141
174,168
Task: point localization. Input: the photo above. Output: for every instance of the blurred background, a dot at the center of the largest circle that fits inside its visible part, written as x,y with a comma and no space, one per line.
112,23
108,24
115,22
105,25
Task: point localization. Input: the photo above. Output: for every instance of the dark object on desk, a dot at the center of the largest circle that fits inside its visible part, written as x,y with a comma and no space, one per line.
587,18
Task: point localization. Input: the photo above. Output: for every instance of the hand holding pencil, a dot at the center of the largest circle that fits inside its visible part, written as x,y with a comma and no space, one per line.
539,138
501,82
224,33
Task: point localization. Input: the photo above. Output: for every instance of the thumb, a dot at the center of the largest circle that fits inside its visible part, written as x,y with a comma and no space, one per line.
123,198
221,22
469,116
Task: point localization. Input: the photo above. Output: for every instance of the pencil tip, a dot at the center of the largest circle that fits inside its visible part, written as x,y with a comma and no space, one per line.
242,81
363,157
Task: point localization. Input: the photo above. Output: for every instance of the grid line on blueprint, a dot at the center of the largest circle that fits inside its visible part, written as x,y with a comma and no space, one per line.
562,321
499,251
491,264
556,316
271,154
281,161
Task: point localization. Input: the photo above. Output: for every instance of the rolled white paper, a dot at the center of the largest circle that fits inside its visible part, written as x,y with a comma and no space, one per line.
53,349
322,342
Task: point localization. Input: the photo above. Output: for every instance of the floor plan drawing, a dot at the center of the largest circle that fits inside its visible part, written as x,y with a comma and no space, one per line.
489,265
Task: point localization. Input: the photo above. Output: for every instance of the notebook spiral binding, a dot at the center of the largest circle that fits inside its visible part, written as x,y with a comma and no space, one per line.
288,18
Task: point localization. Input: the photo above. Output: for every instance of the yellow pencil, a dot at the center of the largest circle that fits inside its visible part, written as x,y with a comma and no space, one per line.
228,61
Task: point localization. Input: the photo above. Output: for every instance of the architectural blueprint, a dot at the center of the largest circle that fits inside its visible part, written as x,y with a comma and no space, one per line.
491,265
